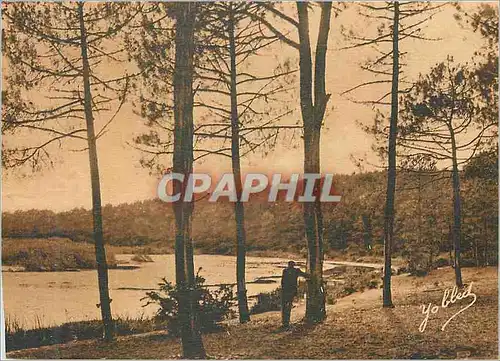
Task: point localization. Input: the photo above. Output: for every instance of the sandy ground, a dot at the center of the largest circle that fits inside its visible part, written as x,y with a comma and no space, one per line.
356,328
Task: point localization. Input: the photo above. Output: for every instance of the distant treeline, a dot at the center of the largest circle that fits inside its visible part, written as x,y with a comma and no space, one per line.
423,220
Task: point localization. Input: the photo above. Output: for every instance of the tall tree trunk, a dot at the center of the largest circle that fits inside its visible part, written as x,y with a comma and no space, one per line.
312,118
367,225
476,253
391,171
315,305
100,251
419,210
431,254
450,239
239,210
343,236
485,223
485,235
192,344
457,211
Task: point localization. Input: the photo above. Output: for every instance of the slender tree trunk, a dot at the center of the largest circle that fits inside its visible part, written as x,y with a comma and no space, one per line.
239,210
315,306
192,344
431,254
312,117
450,239
419,210
100,251
367,225
343,237
457,211
391,171
476,253
485,222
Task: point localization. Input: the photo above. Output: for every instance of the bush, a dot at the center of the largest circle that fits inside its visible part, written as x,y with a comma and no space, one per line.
349,289
442,262
418,263
355,280
330,300
267,301
361,280
402,270
213,306
468,261
373,284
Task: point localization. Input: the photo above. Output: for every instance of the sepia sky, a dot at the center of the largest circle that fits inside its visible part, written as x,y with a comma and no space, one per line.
67,184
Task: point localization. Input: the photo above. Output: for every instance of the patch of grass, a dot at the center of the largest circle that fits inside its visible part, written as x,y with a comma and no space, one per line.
51,254
18,338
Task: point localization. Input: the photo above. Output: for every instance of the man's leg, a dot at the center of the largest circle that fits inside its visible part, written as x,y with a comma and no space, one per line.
285,312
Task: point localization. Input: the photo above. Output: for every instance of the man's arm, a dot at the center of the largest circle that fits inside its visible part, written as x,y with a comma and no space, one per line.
304,274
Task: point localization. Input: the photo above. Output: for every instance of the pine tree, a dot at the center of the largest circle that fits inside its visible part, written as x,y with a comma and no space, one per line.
61,50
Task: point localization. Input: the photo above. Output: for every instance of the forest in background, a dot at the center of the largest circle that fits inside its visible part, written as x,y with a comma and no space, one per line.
355,225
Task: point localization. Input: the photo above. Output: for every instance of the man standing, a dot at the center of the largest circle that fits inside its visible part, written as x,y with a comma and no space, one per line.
289,290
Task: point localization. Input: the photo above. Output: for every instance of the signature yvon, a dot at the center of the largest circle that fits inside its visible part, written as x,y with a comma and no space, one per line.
450,296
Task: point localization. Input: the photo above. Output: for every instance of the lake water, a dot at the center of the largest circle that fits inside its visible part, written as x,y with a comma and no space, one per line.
52,298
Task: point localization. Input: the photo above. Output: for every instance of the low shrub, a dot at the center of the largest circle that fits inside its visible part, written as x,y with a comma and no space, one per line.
468,260
213,306
330,300
418,262
355,280
442,262
267,301
359,280
402,270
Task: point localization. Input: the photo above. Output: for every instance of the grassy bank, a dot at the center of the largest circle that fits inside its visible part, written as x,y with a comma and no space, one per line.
17,338
357,327
59,253
50,254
